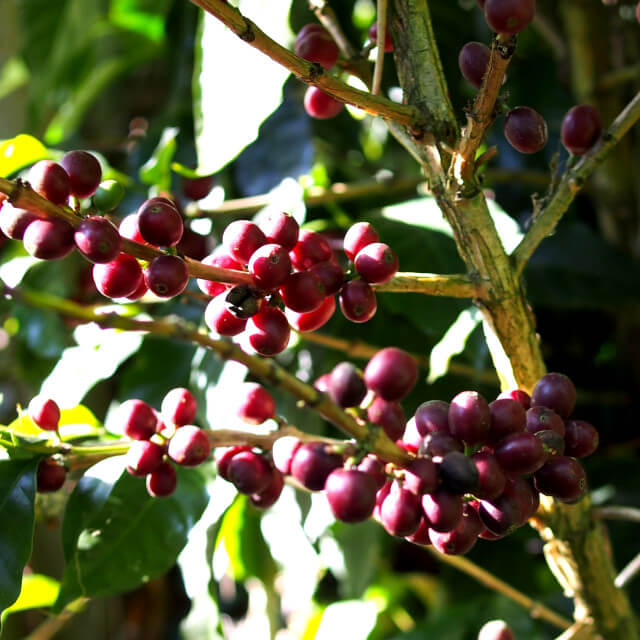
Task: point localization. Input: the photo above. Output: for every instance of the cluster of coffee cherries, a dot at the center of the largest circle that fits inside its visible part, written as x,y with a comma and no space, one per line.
296,269
314,43
524,128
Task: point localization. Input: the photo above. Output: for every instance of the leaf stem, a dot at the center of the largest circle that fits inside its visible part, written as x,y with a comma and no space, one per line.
381,24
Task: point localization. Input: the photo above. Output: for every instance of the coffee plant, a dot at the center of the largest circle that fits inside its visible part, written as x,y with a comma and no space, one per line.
338,339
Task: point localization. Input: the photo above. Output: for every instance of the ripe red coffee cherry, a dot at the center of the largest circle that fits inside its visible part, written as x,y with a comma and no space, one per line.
163,481
351,494
44,412
193,245
555,391
525,130
507,416
221,320
303,292
312,463
330,274
255,404
14,221
373,36
391,373
321,105
358,236
421,476
432,416
98,239
119,278
502,515
84,172
249,472
143,457
242,239
469,417
372,465
50,180
400,511
312,320
442,510
310,249
518,395
561,477
495,630
268,331
462,538
219,258
346,386
189,446
222,462
48,239
491,478
581,439
179,407
166,276
159,222
270,266
358,301
269,495
197,188
473,60
520,454
280,228
376,263
314,43
389,415
128,228
581,128
137,418
638,12
509,16
50,476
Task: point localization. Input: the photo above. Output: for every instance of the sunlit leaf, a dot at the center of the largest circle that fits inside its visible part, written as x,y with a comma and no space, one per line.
157,170
37,591
19,152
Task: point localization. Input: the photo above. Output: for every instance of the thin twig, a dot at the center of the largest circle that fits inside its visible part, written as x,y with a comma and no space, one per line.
54,624
571,183
615,78
326,15
381,23
265,369
535,609
628,514
308,72
628,573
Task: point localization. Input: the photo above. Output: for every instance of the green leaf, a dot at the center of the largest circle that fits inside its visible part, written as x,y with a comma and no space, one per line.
157,170
116,536
142,16
226,126
70,419
13,75
19,152
244,543
105,349
17,518
37,591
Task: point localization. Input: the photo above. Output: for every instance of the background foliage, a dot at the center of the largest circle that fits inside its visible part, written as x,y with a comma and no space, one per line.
150,84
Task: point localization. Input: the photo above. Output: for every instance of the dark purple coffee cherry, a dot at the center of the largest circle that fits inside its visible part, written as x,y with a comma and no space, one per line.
581,128
45,412
442,510
438,444
469,417
137,419
400,511
420,476
330,274
50,476
525,495
179,407
346,386
163,481
314,43
389,415
520,454
372,465
197,188
194,245
552,442
491,478
14,221
280,228
119,278
189,446
351,494
358,301
98,239
525,130
249,472
303,292
502,515
581,439
509,16
312,463
84,172
458,473
166,276
420,535
50,180
473,60
143,457
270,494
507,417
223,461
432,416
48,239
495,630
541,418
460,539
160,223
359,236
391,373
562,478
555,391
